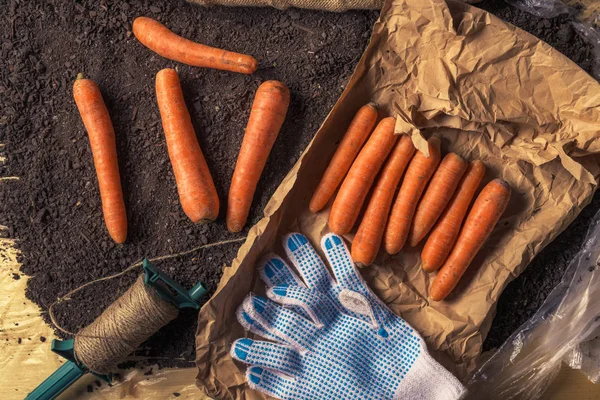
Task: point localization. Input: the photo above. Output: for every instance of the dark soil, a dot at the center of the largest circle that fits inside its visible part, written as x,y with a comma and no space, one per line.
54,208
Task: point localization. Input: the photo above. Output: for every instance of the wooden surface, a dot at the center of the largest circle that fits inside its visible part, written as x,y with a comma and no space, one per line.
572,385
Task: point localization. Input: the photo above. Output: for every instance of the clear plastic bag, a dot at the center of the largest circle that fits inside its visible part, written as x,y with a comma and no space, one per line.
541,8
565,328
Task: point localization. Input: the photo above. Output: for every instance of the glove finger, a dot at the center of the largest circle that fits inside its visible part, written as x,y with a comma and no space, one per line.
313,304
270,383
341,263
307,261
294,329
274,271
253,326
268,355
347,276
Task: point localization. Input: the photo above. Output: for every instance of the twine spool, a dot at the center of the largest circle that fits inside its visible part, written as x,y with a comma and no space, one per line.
122,327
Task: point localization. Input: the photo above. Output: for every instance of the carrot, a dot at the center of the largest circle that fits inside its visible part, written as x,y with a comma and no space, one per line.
197,192
356,185
482,218
436,197
417,175
362,124
367,240
161,40
444,234
104,150
266,117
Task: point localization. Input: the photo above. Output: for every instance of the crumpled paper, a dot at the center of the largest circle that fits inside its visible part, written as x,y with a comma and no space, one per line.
491,92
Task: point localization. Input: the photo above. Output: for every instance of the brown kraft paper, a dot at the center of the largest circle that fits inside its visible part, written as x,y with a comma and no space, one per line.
491,92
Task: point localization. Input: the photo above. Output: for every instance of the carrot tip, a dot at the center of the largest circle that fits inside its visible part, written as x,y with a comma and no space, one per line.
502,182
426,267
373,105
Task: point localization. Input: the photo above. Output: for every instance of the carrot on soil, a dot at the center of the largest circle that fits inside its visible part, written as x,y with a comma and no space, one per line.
164,42
436,197
361,126
266,117
419,172
104,150
197,192
367,240
351,196
444,234
485,213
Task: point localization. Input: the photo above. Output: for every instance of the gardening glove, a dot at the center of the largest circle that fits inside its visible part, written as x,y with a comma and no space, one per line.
331,337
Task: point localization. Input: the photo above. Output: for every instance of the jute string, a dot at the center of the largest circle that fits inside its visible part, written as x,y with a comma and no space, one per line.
127,322
122,327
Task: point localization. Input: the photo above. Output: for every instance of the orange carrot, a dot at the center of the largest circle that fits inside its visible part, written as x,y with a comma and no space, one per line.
419,172
161,40
367,240
482,219
266,117
436,197
444,234
197,192
104,150
362,124
356,185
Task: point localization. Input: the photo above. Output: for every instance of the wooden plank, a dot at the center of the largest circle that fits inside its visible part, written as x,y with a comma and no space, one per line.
571,384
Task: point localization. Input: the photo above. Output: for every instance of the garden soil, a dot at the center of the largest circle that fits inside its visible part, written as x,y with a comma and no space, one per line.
53,209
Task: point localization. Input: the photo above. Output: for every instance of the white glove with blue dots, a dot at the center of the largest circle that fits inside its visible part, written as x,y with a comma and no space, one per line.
331,337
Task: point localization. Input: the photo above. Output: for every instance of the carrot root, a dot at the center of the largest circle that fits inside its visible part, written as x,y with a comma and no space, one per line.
419,172
367,240
483,217
266,118
439,192
197,192
164,42
104,150
444,234
351,196
361,126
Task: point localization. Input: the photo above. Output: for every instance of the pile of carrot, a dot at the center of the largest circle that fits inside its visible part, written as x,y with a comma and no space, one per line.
414,197
197,193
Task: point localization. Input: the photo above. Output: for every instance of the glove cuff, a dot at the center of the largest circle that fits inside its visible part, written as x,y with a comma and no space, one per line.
428,379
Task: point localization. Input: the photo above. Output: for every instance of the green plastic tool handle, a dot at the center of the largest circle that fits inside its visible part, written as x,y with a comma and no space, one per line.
56,383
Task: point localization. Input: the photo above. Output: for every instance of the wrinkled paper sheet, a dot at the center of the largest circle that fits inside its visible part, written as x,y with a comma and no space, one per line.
491,92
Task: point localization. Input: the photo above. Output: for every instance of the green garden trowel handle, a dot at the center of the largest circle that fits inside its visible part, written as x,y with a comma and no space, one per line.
64,376
56,383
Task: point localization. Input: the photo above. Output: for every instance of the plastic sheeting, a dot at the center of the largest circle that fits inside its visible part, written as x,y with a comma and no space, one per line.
565,328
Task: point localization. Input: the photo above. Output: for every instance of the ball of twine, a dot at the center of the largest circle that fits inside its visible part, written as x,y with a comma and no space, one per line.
122,327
